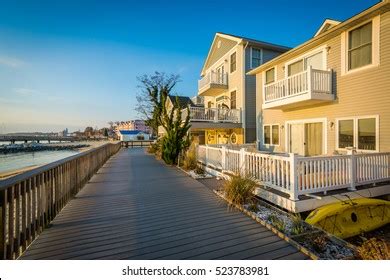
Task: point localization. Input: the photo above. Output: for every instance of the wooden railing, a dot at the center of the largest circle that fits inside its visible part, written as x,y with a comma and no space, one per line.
31,200
213,78
201,114
297,175
309,81
137,143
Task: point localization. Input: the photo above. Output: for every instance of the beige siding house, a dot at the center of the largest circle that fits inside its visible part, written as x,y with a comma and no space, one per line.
228,93
330,94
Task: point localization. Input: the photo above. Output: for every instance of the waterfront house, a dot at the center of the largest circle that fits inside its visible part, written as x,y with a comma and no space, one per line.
228,114
330,93
323,119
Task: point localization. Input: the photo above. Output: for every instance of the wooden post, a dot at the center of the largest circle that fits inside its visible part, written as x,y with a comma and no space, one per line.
3,226
294,185
352,169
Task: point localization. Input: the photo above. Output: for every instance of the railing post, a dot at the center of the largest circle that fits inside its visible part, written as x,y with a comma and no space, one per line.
216,115
3,233
223,158
309,80
242,162
352,169
294,184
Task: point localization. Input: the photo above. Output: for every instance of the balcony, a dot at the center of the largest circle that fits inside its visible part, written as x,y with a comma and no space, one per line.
213,117
213,84
309,87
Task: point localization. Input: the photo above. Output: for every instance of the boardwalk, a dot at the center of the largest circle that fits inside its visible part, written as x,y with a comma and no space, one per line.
138,208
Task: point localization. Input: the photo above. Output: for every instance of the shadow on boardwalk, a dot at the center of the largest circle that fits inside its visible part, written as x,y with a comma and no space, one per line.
136,207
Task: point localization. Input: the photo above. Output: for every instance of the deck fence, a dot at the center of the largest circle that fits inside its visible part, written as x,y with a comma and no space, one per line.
296,175
30,201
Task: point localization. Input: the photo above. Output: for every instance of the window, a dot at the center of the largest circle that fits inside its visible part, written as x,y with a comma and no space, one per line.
233,100
345,133
358,132
271,134
270,76
256,58
360,46
267,134
275,135
366,134
233,63
295,68
315,60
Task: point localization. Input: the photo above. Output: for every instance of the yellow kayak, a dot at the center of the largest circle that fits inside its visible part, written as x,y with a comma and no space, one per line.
352,217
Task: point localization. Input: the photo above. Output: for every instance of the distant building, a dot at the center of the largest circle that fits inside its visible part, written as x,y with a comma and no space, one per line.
132,125
63,133
133,135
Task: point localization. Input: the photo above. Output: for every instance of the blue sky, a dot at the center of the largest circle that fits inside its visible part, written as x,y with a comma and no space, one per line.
74,63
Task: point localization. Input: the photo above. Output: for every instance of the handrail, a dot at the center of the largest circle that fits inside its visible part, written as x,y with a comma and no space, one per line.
31,200
33,172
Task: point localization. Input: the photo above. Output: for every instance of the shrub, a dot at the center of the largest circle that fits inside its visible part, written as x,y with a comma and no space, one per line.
297,225
239,189
253,206
374,249
278,223
190,160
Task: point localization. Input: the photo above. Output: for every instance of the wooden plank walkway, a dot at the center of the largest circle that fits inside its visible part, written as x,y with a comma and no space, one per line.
136,207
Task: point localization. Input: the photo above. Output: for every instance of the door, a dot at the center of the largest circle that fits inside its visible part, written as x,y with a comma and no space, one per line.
220,74
316,61
297,139
306,139
313,139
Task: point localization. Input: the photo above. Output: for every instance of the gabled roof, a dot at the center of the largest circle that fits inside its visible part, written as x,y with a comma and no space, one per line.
184,101
326,25
381,7
131,132
239,40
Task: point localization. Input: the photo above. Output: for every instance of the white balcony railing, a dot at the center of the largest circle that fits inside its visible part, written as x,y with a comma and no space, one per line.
309,84
213,78
296,175
201,114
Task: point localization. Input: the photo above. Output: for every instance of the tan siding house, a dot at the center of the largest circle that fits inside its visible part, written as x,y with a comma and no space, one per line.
331,93
229,94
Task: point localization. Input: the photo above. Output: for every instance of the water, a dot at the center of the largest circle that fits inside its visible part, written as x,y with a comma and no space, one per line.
14,161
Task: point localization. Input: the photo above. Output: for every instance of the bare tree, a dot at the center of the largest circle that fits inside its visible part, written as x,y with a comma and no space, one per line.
155,89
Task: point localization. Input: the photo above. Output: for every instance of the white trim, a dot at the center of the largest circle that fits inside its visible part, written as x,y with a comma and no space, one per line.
304,121
322,49
324,24
375,48
355,132
271,144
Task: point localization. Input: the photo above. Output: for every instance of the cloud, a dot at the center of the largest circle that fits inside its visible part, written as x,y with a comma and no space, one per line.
11,62
25,91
